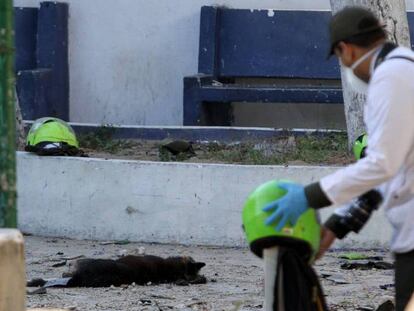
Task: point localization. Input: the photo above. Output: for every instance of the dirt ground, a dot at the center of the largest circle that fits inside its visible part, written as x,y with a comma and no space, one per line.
286,149
235,279
272,152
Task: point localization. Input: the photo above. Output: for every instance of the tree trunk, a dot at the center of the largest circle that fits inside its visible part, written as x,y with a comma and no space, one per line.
394,14
20,132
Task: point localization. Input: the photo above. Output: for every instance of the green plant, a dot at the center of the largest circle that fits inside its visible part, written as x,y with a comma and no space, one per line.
102,140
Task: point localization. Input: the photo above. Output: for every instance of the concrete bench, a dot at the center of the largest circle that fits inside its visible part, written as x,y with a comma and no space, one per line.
262,56
283,51
42,67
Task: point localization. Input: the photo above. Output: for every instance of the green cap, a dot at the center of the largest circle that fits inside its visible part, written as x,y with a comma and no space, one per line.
350,22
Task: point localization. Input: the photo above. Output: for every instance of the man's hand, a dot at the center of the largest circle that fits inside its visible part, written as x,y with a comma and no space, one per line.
289,208
327,239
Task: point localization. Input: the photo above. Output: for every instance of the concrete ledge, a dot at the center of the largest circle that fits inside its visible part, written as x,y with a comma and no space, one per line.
86,198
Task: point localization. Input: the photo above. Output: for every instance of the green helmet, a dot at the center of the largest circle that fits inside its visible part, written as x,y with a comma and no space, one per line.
51,130
304,236
360,146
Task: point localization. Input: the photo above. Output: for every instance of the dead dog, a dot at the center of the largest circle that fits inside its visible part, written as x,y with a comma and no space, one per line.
140,270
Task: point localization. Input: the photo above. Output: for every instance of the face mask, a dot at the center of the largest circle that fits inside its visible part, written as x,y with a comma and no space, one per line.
358,85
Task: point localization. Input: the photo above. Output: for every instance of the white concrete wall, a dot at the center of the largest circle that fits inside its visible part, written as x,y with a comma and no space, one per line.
128,57
152,202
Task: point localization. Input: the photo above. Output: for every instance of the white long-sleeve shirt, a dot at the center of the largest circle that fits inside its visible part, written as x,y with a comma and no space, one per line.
389,117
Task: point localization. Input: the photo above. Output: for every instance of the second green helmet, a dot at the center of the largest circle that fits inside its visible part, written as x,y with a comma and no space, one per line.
360,146
304,236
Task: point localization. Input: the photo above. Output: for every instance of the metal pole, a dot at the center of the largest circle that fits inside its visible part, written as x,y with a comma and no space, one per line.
8,213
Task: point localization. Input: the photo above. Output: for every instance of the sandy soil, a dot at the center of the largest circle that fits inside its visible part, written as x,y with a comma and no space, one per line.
235,279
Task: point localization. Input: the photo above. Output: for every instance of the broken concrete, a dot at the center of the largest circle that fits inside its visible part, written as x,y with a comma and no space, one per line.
12,271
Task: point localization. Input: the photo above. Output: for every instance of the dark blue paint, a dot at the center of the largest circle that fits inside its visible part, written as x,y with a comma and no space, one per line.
238,43
25,25
42,69
209,56
410,16
33,90
289,44
270,94
261,44
52,52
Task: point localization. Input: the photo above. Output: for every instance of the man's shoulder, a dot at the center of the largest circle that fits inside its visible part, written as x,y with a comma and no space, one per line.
401,51
399,62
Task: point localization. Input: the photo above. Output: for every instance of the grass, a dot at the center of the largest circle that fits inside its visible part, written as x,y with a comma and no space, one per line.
309,149
102,140
312,149
289,150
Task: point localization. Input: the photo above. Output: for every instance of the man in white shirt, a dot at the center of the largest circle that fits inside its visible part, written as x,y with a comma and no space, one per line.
386,72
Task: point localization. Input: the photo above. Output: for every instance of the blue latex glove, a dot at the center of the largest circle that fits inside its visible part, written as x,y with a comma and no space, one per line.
289,208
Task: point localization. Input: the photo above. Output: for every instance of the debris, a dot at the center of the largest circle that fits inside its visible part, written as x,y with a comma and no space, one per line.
59,264
196,304
121,242
199,280
379,265
145,302
60,253
387,286
359,256
57,282
38,291
366,308
73,258
336,278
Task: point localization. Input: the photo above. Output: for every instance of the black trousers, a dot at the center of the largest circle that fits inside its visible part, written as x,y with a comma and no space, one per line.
404,279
